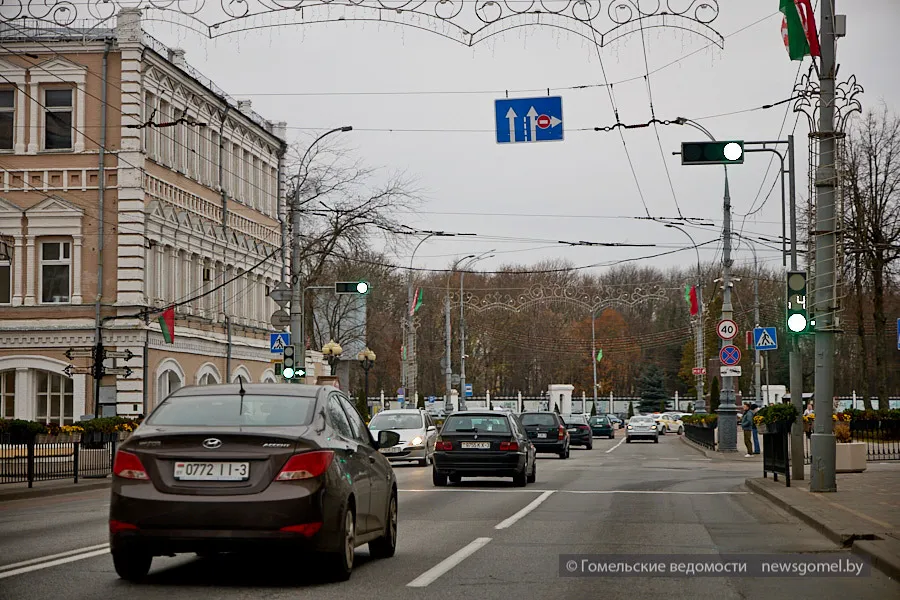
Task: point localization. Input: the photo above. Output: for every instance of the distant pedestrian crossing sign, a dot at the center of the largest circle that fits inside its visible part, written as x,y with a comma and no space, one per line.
277,342
765,338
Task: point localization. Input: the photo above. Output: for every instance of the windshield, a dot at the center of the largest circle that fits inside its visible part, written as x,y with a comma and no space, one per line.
498,424
538,419
398,421
229,411
598,420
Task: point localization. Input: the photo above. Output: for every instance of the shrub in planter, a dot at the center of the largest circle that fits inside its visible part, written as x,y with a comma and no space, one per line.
20,430
776,413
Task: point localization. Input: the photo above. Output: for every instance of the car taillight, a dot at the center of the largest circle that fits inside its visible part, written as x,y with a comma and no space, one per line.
562,432
306,466
117,526
129,466
306,529
509,446
584,427
441,445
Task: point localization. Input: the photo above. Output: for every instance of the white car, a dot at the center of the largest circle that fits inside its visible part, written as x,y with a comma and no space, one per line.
417,430
671,423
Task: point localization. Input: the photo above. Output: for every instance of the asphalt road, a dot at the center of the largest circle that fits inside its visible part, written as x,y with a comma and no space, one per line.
483,539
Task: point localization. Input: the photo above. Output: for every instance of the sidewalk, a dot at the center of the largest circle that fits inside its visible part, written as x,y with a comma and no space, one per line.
862,514
40,489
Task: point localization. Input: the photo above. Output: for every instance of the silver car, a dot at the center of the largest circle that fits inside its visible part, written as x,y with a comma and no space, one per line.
417,430
641,427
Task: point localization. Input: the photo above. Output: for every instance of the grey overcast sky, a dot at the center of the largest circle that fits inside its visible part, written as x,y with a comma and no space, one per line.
582,187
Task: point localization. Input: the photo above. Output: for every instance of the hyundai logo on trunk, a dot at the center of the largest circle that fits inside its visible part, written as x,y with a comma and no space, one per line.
212,443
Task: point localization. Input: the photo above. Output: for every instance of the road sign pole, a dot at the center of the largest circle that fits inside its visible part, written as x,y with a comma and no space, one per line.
727,422
756,365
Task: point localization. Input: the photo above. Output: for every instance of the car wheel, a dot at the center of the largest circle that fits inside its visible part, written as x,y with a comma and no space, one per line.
423,462
339,565
132,565
590,446
681,431
627,440
656,440
533,477
612,435
438,479
521,479
385,546
455,478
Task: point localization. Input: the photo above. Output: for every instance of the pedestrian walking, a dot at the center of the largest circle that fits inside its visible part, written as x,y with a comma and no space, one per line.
754,408
747,426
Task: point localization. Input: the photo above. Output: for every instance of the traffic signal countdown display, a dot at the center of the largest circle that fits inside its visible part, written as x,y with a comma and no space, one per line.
797,312
712,153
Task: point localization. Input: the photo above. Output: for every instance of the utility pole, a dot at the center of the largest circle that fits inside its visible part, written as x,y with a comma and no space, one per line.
448,369
822,444
594,355
798,469
727,422
756,354
462,329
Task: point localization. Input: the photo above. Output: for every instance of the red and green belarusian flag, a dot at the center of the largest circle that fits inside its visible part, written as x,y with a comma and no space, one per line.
167,324
416,302
798,28
690,296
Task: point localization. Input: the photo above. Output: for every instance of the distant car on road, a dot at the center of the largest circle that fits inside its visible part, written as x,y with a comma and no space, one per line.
641,427
483,444
547,432
244,467
672,423
579,430
619,423
417,434
602,426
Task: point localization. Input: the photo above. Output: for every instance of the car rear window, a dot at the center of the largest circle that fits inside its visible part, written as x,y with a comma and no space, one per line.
574,419
498,424
398,421
538,419
229,411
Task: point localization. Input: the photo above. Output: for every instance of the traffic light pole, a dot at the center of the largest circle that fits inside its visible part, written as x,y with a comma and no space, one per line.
822,444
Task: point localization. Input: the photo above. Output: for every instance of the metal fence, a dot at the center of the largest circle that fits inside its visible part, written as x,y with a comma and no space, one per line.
28,460
704,436
882,439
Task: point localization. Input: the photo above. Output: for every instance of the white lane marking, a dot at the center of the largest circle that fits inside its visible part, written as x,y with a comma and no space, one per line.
531,506
53,563
448,563
655,492
50,557
617,445
502,491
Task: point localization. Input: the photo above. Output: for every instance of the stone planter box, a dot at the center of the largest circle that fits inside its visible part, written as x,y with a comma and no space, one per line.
850,458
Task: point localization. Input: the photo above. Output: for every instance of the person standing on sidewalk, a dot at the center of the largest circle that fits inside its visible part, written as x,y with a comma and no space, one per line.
747,426
754,408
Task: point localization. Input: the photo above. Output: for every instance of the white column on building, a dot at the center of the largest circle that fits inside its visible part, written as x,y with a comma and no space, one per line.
34,140
221,275
20,119
173,273
79,118
18,292
203,302
29,258
24,399
76,270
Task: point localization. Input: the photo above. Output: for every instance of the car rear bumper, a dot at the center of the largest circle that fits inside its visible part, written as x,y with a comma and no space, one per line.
642,434
487,464
162,542
599,432
545,446
582,437
405,454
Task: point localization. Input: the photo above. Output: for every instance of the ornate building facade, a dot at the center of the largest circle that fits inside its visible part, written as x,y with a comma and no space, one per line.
185,211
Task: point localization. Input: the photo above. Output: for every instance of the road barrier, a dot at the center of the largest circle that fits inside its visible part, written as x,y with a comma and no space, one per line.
704,436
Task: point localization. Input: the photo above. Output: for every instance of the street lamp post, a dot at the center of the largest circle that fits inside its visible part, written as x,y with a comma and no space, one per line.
448,367
462,328
332,351
366,361
297,290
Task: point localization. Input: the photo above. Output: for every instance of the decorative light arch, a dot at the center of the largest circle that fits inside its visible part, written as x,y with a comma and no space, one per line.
468,22
591,300
208,369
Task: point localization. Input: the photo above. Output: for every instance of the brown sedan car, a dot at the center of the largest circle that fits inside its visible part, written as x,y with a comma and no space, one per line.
252,467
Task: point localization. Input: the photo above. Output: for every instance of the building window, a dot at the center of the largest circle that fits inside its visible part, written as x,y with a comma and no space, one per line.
7,118
56,271
57,119
168,382
55,397
208,379
5,273
150,132
7,394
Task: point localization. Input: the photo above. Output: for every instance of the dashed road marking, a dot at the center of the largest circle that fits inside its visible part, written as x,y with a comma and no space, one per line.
432,574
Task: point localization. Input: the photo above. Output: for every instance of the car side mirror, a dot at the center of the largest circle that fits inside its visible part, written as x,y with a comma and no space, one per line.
387,439
431,428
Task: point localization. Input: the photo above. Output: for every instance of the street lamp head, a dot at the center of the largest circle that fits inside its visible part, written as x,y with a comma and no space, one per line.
332,348
347,128
365,355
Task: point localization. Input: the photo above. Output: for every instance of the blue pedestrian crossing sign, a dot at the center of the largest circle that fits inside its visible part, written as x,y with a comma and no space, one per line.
529,119
765,338
277,342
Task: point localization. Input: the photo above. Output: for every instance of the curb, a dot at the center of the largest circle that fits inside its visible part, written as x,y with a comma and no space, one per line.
880,556
53,491
832,534
704,451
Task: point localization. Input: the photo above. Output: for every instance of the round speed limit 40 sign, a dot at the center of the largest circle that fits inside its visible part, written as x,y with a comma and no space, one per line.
727,329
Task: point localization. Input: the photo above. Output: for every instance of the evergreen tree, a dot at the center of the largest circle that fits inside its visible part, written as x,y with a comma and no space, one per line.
362,405
653,392
690,407
630,409
593,409
714,390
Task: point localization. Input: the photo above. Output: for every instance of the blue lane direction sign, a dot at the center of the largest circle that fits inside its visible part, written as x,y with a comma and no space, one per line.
730,355
765,338
277,342
529,119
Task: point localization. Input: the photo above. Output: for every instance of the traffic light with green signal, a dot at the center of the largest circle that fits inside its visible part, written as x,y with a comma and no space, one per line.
797,312
712,153
289,366
351,287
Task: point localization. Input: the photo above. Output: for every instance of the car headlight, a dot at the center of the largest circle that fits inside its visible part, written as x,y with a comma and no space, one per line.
631,427
416,441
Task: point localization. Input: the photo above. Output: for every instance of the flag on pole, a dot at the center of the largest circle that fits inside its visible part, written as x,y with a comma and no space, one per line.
599,354
167,324
798,28
690,296
416,302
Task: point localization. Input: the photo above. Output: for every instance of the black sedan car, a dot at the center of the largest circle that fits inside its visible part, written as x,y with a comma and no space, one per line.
483,444
253,467
579,431
602,426
547,432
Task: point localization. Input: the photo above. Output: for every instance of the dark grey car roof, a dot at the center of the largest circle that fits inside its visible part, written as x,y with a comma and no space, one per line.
263,389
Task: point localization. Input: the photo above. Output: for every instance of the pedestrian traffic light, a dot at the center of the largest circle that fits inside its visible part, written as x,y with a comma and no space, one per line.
797,313
712,153
289,365
351,287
